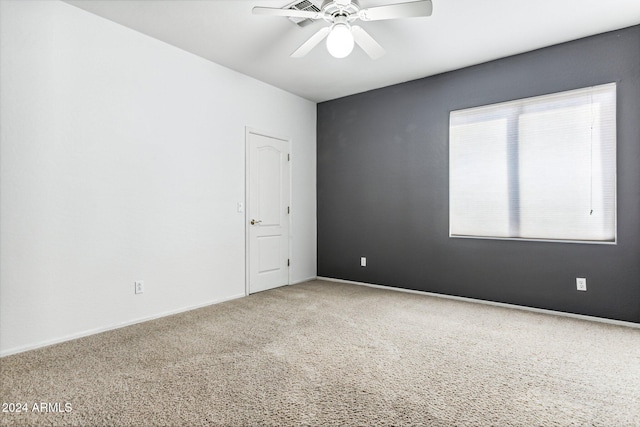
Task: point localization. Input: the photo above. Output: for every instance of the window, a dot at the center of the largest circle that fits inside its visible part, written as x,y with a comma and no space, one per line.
541,168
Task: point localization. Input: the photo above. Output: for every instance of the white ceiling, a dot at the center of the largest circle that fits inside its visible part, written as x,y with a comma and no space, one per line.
458,34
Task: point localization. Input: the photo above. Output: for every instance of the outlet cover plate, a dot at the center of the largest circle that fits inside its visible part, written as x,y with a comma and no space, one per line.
138,286
581,283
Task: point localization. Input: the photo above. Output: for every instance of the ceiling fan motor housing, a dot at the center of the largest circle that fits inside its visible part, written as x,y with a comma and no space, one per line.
336,8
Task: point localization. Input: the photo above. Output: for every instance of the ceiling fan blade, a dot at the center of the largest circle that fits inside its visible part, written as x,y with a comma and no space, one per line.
399,10
311,43
291,13
367,43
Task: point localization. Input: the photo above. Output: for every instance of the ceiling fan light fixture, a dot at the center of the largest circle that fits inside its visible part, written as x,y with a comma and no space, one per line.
340,40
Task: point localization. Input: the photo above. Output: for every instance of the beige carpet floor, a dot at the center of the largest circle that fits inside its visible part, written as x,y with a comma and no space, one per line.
328,354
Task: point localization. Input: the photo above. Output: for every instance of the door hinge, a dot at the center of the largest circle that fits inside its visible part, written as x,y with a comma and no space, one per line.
288,157
288,262
288,209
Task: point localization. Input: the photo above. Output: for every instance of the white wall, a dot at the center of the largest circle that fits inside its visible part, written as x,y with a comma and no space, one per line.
122,159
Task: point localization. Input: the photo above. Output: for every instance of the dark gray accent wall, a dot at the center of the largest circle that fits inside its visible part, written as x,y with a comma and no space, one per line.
383,186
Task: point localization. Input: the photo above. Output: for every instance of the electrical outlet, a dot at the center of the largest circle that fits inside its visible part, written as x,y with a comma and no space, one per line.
363,261
138,286
581,283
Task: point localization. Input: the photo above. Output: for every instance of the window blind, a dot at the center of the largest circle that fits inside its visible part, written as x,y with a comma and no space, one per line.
541,168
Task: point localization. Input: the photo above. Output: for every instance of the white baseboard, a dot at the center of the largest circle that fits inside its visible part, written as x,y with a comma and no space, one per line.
89,332
328,279
308,279
496,304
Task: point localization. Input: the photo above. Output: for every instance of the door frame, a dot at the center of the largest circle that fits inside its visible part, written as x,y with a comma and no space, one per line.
248,131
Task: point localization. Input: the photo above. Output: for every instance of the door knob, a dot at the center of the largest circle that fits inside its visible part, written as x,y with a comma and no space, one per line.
254,222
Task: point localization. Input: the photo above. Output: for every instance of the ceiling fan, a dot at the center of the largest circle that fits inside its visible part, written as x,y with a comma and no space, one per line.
341,34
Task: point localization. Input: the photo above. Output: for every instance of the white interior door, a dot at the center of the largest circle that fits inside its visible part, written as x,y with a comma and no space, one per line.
267,217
